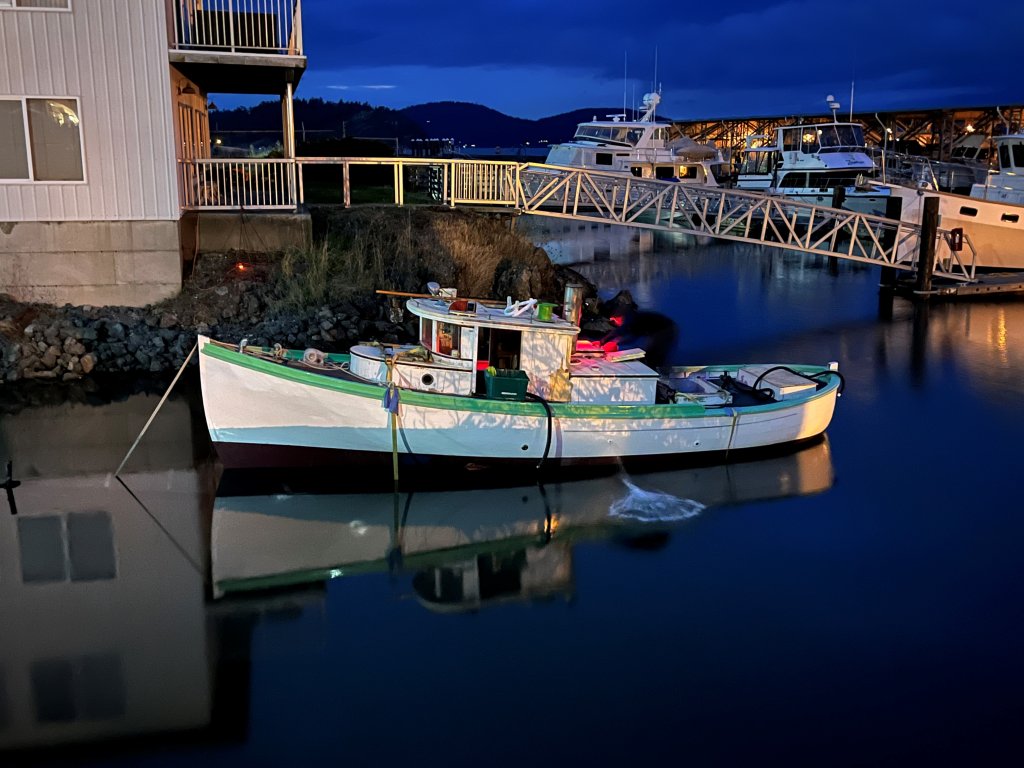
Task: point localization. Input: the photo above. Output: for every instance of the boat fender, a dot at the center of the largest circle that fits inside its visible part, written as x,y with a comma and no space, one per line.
313,357
519,307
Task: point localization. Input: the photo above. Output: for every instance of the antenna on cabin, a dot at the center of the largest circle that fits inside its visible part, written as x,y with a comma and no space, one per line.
851,100
833,105
625,80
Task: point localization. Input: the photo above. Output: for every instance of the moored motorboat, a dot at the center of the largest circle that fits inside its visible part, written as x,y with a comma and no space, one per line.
818,163
644,147
991,218
497,385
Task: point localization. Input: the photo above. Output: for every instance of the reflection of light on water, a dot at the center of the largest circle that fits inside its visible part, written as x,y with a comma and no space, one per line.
653,506
1000,337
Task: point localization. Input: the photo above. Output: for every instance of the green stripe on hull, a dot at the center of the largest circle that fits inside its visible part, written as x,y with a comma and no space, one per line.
527,408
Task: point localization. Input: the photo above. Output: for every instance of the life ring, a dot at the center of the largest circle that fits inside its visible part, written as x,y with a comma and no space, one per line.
519,307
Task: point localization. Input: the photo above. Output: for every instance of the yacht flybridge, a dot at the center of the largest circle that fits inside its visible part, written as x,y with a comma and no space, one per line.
644,148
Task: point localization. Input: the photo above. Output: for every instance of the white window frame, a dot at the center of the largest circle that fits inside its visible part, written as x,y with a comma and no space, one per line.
12,5
28,139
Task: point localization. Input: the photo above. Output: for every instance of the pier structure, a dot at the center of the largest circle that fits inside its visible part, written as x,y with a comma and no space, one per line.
931,133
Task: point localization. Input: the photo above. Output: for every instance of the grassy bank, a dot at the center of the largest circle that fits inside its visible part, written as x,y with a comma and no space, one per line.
360,250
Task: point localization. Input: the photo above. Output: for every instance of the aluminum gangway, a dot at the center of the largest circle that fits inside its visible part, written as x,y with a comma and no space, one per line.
716,212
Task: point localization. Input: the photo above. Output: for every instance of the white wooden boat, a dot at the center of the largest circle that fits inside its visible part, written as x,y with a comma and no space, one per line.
496,385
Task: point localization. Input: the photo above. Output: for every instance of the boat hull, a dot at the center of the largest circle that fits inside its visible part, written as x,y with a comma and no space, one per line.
263,413
995,228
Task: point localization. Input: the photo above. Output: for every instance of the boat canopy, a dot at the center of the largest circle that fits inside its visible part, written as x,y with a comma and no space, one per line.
821,138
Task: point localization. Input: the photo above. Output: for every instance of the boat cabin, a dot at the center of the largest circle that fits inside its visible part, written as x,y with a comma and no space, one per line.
1011,153
465,344
809,162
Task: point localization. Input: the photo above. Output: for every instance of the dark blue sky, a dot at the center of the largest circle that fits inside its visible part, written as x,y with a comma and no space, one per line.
533,58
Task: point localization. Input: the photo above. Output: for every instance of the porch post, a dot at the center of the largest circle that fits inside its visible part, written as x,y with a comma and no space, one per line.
288,142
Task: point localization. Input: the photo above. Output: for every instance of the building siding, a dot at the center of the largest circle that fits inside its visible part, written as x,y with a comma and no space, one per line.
111,55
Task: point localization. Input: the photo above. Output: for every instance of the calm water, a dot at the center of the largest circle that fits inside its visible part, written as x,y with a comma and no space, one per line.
857,602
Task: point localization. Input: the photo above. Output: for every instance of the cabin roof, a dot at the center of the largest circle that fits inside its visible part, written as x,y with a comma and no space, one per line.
486,316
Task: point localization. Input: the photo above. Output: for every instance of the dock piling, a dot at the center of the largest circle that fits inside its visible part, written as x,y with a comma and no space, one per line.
926,250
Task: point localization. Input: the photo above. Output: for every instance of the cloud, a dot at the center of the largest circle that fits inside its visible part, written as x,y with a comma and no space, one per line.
382,87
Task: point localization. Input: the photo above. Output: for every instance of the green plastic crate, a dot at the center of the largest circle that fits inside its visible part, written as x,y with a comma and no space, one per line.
506,384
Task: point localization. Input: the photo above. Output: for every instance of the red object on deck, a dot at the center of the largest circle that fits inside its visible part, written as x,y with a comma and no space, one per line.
586,345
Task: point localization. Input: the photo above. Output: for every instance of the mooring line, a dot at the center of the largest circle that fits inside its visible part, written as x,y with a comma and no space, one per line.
152,416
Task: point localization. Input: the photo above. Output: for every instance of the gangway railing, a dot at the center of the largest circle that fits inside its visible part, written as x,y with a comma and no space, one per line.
738,215
587,195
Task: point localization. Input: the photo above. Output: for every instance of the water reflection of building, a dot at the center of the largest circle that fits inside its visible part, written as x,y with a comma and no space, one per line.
469,548
106,630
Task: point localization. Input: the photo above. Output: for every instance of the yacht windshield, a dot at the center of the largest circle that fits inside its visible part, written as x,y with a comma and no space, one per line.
835,136
614,133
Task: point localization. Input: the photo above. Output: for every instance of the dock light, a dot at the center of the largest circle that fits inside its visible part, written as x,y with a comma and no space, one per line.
240,267
969,128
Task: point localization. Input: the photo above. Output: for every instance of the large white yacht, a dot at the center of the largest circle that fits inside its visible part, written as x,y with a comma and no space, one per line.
644,148
808,161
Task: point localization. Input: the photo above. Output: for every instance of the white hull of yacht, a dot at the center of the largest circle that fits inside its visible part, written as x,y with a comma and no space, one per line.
995,228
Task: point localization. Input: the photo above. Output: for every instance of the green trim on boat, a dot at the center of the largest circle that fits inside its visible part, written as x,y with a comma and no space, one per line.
484,405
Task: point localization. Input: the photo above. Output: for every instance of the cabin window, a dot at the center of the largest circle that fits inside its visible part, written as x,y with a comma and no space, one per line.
1012,218
685,172
1018,155
1004,156
636,170
664,172
966,211
448,339
427,333
791,140
634,135
758,162
40,140
810,140
603,158
793,181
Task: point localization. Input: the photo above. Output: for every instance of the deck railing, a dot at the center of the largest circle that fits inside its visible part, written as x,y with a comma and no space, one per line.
230,184
238,26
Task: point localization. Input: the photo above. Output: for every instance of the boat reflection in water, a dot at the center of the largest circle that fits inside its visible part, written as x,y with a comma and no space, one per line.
471,548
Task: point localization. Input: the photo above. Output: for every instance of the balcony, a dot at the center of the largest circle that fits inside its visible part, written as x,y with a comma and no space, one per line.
237,46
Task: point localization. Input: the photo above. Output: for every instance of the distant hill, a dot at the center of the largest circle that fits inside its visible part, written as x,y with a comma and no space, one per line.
315,120
466,123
